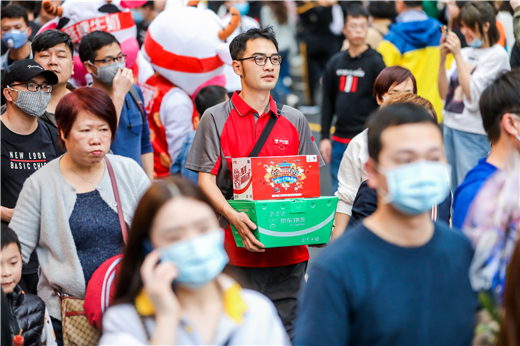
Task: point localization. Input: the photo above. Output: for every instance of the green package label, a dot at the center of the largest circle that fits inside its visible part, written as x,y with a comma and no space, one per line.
289,222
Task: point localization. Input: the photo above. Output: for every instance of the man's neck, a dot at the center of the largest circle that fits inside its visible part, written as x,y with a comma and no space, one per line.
398,229
20,53
58,91
354,51
100,85
258,100
502,151
19,122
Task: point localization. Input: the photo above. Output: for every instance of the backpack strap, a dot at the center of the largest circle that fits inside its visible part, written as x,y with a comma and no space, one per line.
266,132
137,100
118,200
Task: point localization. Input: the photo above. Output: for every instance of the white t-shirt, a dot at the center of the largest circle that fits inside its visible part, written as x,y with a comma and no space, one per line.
351,172
484,64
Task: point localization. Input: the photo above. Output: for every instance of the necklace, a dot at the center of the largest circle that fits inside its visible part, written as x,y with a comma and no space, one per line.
87,180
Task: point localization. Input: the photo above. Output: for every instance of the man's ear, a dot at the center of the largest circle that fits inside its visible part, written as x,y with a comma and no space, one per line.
509,124
87,67
29,31
486,26
370,168
7,95
236,68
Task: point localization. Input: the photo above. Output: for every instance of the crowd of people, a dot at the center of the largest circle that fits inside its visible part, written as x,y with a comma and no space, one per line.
420,125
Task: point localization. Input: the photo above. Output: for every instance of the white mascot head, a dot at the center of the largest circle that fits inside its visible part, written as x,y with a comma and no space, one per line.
186,45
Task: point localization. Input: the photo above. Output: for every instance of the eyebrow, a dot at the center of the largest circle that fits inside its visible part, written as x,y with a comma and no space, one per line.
406,151
111,56
201,221
13,257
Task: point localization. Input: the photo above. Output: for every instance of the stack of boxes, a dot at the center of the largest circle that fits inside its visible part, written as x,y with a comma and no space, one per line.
281,195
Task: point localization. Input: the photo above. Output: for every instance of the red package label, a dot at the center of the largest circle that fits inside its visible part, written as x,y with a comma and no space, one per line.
276,177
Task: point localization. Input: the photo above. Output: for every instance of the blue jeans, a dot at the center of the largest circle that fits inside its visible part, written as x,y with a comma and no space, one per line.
463,150
337,154
177,167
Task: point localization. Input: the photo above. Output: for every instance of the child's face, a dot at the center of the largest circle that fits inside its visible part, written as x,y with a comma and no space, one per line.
11,267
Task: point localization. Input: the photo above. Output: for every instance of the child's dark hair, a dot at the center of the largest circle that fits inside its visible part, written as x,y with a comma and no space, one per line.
209,96
9,237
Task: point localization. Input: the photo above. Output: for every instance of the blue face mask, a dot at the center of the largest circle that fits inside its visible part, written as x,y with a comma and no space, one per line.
15,39
476,43
198,259
138,16
242,7
415,188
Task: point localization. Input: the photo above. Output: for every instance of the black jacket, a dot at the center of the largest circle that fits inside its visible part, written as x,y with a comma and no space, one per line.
348,85
29,311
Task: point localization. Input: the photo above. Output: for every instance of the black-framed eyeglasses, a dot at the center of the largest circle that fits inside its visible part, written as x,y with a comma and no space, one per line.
119,58
33,86
261,60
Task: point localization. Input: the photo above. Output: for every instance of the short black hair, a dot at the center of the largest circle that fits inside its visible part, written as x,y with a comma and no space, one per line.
9,237
148,4
356,11
390,116
500,97
208,97
31,6
49,39
15,11
238,46
93,42
412,4
382,9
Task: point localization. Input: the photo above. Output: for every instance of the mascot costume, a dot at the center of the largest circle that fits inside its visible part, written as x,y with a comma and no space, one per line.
79,18
186,47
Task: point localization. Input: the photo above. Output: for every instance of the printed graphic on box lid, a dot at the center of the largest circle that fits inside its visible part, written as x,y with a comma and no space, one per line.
285,175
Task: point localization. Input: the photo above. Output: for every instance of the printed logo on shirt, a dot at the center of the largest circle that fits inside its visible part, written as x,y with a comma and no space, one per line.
20,160
281,143
348,79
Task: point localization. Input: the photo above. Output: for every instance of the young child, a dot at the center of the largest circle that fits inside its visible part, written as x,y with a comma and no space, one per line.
207,97
30,314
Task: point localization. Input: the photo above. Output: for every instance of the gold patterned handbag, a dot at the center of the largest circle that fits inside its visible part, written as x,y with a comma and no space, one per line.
76,329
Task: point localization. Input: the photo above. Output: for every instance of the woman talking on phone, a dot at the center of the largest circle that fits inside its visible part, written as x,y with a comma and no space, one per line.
171,290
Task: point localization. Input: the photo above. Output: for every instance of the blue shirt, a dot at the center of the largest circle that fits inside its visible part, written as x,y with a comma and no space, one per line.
96,231
467,191
132,138
177,166
363,290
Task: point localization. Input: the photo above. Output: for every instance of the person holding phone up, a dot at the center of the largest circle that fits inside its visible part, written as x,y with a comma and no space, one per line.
171,290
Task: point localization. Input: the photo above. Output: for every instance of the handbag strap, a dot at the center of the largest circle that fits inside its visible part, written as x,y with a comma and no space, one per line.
265,133
118,200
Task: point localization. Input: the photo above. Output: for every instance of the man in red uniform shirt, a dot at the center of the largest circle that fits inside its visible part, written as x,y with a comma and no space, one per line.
231,129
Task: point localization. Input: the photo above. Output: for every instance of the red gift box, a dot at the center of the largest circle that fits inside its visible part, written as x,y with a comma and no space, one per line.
276,177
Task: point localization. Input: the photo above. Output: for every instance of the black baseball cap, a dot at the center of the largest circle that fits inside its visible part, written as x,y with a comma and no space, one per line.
24,70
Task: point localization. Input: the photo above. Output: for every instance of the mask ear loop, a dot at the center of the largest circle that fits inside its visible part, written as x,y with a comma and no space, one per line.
385,195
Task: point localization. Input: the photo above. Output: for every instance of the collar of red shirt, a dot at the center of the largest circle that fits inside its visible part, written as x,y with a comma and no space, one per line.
243,108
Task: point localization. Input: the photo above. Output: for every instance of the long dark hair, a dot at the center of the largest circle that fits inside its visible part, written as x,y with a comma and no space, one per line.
510,329
129,283
279,10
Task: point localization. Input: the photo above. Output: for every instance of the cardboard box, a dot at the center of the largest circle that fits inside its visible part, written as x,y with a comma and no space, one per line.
276,177
289,222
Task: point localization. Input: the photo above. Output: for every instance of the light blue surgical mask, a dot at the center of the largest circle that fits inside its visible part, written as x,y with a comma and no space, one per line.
137,15
476,43
242,7
415,188
15,39
199,259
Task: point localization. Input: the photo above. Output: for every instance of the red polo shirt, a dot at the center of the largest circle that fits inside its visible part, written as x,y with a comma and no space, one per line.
230,130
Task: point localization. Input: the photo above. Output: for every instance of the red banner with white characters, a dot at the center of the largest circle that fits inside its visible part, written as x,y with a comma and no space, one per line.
109,23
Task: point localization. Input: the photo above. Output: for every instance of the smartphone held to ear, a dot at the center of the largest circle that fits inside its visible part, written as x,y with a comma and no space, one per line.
148,248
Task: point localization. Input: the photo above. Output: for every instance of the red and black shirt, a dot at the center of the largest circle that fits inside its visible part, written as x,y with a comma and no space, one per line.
230,130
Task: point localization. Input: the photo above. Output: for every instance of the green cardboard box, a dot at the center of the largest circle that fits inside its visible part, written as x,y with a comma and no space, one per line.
289,222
